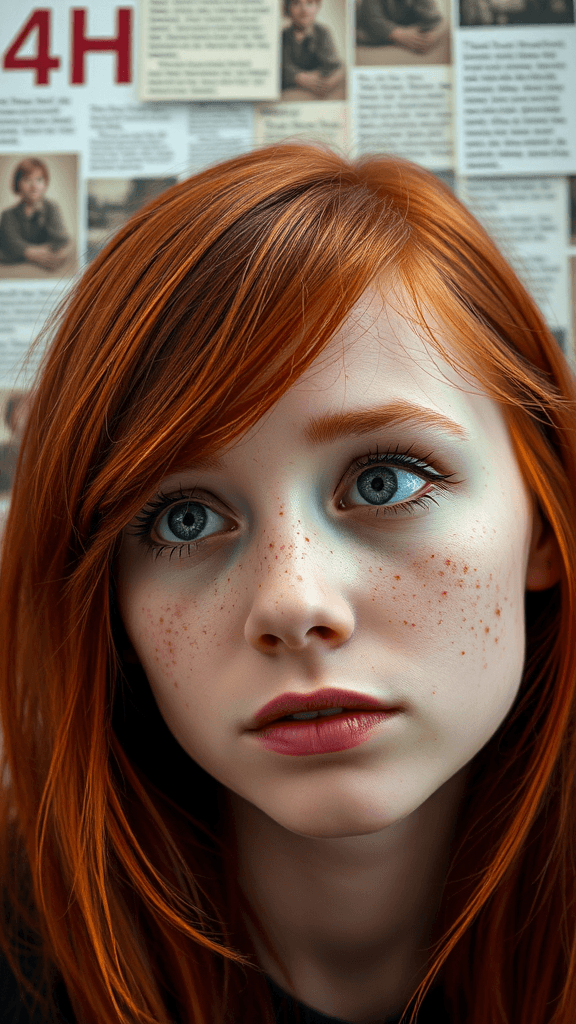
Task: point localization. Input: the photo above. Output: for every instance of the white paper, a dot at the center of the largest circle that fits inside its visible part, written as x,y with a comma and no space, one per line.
216,50
515,101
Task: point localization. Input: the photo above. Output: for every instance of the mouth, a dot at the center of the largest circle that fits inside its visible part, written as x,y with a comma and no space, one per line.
326,703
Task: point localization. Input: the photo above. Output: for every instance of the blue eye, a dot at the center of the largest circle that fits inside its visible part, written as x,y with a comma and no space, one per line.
390,479
188,522
380,484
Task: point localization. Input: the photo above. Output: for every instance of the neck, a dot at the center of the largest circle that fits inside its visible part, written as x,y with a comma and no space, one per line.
350,918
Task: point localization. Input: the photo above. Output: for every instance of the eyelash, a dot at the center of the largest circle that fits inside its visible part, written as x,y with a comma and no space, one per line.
159,504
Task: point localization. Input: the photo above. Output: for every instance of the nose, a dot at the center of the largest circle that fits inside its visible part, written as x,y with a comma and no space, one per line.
298,602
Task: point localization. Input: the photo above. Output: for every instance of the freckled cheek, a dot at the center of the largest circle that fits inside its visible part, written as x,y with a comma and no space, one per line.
177,639
453,607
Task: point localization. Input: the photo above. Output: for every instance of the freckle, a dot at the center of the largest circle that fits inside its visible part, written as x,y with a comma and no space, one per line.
440,621
496,640
396,577
405,623
307,538
270,545
280,513
444,592
161,620
465,568
498,611
486,629
462,652
447,562
431,556
477,586
168,630
175,684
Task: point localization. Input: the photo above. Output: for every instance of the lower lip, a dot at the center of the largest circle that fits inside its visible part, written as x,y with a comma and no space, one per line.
322,735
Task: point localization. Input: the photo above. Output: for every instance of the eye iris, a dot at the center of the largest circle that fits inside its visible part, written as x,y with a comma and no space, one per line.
187,521
377,485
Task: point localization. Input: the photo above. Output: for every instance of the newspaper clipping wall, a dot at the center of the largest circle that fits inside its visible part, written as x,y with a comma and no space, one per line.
103,106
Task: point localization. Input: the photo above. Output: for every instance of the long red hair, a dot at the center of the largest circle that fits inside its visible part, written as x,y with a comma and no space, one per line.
193,321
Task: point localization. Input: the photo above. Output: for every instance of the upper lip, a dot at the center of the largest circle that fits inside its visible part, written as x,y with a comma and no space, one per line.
320,700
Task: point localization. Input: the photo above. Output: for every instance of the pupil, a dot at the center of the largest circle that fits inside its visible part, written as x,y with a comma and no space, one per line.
377,485
186,522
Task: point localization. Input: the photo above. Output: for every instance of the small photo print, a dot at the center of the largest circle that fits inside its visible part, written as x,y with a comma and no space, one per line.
516,12
13,414
38,215
112,201
313,50
402,32
572,351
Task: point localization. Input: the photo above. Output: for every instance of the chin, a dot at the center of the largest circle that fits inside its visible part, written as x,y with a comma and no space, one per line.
336,820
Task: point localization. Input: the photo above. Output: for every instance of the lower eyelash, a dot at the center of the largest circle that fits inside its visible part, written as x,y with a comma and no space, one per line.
405,506
402,460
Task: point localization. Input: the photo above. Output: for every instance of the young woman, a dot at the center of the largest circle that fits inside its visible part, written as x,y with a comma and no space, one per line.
288,630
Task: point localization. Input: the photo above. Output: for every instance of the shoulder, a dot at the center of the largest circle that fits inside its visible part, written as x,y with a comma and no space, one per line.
11,211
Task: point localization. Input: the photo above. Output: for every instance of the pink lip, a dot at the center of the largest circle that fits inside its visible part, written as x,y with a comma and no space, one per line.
321,700
322,735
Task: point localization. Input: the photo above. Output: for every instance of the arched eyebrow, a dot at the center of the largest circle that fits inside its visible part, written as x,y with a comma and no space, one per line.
333,426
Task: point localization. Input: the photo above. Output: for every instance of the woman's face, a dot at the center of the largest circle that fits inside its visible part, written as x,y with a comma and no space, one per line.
325,551
32,187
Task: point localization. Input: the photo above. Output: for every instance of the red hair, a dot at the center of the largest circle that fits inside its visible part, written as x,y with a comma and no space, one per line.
27,167
199,314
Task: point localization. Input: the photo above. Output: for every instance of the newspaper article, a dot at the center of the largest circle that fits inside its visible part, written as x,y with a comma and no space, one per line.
527,217
73,131
215,50
402,80
515,108
406,111
314,75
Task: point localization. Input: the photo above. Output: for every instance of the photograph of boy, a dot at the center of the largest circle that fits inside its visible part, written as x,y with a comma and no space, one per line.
401,32
311,66
33,231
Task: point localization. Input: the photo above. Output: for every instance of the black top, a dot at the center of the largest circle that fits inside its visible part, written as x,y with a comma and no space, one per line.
14,1008
18,231
289,1011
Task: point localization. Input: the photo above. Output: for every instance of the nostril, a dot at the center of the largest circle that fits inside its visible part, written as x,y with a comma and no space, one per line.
268,640
324,632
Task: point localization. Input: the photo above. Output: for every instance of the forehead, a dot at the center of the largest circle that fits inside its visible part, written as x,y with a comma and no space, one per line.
381,355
